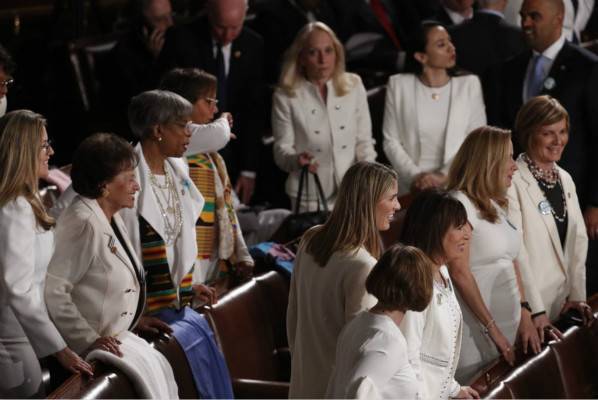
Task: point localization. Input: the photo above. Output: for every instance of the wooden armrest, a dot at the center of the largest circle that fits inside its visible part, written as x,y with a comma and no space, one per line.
254,389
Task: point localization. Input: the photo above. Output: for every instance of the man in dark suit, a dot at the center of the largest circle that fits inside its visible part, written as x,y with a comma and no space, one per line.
486,39
454,12
570,74
223,46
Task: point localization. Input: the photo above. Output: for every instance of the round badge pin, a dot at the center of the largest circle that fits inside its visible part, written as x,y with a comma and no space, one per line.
544,207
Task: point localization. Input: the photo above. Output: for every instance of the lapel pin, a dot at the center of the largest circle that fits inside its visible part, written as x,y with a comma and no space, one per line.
111,245
544,207
549,83
237,54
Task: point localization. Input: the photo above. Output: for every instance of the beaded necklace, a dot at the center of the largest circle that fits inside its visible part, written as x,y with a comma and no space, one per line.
169,205
547,180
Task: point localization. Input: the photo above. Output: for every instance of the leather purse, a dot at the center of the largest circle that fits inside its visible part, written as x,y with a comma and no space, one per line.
295,225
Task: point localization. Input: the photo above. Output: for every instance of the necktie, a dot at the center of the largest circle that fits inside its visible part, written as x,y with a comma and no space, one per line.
575,3
536,77
221,75
382,15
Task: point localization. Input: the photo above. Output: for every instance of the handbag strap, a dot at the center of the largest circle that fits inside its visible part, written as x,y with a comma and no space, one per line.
304,176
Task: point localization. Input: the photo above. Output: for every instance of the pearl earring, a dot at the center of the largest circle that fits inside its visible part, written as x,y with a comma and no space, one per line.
159,138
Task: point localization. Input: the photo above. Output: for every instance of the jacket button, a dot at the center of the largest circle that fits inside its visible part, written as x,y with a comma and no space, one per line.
344,146
313,111
319,150
342,127
337,107
317,132
122,314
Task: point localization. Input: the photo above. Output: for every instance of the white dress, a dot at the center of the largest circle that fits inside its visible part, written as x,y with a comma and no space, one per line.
493,247
26,332
372,361
434,341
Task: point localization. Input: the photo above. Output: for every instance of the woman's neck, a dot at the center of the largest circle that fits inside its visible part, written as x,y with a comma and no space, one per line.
107,207
395,315
153,157
434,77
546,166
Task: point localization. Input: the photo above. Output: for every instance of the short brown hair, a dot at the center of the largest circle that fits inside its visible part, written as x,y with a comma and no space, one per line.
99,159
402,279
191,83
537,112
429,217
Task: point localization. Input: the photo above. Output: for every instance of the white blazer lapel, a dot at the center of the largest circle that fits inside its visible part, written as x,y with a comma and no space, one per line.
146,202
537,197
192,203
111,242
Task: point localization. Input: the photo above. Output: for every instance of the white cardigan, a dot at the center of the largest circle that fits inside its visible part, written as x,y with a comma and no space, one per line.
402,141
337,133
92,289
550,274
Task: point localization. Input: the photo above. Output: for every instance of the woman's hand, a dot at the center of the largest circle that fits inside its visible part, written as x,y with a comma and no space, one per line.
306,158
467,392
544,327
502,344
106,343
429,180
528,336
152,325
72,362
205,294
583,308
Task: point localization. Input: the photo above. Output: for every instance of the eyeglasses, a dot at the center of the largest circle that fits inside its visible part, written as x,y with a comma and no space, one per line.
7,83
47,145
211,101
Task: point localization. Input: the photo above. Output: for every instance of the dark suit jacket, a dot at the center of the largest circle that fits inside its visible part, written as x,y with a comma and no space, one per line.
575,76
485,40
191,46
443,17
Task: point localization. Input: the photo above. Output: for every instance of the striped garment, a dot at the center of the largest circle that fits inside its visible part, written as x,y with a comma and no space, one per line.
161,292
201,171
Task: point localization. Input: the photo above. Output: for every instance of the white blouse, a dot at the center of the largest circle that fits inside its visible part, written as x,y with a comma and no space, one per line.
432,102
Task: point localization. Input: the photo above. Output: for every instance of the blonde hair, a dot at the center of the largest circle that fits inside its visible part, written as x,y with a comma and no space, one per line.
537,112
478,168
292,72
21,134
352,223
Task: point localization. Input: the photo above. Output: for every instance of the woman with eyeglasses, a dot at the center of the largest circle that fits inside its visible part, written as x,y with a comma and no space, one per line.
26,245
221,247
161,227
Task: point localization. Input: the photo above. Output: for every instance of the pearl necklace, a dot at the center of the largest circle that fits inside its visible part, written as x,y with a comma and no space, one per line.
170,205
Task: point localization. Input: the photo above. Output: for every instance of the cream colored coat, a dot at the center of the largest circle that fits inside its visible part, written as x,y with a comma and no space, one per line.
550,274
321,302
337,133
92,289
402,141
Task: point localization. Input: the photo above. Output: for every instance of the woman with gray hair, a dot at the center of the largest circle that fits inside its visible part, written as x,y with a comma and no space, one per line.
161,227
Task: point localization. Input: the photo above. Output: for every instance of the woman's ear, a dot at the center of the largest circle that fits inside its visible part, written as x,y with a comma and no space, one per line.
157,132
420,57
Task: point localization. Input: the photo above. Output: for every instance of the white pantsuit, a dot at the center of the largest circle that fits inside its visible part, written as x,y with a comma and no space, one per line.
26,332
337,132
551,273
402,139
92,288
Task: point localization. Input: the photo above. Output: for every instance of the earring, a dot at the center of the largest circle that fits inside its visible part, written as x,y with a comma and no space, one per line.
159,138
105,192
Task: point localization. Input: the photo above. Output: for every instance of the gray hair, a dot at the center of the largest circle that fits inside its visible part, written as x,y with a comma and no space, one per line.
156,107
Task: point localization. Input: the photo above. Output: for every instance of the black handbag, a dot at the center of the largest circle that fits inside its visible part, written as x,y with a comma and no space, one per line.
297,223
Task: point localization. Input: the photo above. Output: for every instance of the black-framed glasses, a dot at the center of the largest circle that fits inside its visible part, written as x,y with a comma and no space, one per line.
7,83
47,145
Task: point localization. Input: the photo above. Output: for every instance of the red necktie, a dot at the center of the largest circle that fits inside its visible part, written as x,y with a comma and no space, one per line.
382,15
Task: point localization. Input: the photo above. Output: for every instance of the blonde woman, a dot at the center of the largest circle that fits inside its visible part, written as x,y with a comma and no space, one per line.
429,112
492,299
543,203
26,245
328,281
320,114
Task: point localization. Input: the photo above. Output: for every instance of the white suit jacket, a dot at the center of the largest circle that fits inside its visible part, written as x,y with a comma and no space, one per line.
549,273
24,254
337,133
92,288
402,141
145,205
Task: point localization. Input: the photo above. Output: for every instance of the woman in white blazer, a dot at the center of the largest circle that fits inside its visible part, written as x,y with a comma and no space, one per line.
543,203
320,114
26,245
328,281
161,228
428,113
437,224
95,285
